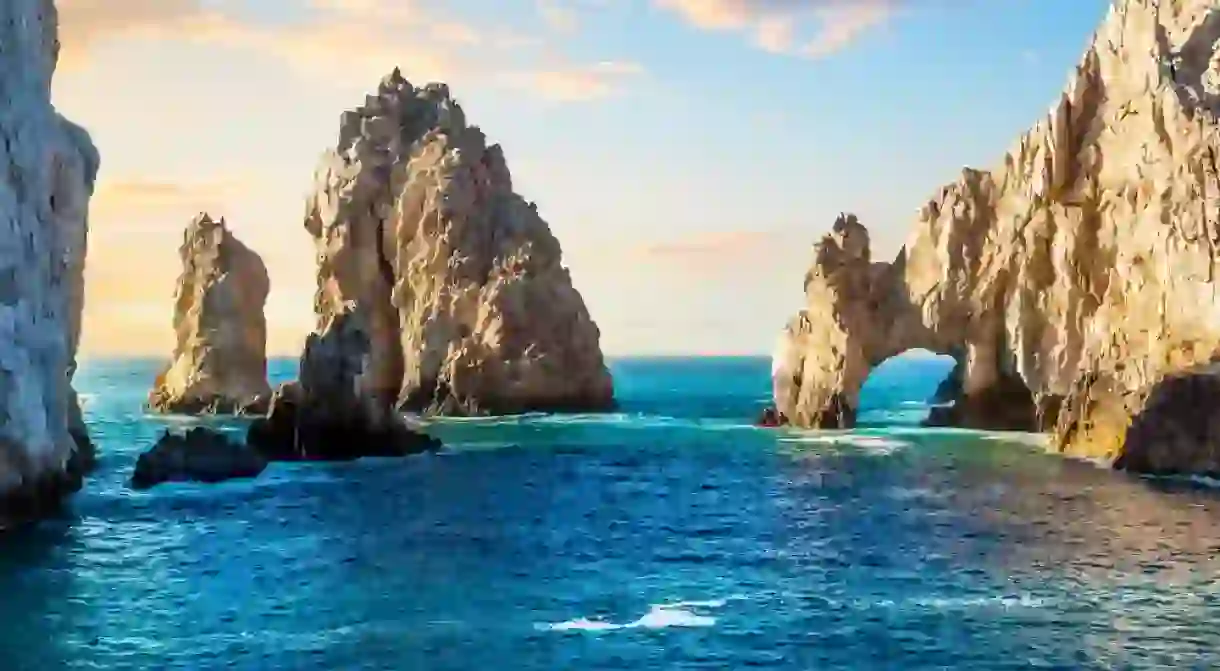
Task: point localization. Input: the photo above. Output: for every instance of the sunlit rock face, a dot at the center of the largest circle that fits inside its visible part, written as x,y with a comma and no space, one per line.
459,282
1069,280
219,363
47,169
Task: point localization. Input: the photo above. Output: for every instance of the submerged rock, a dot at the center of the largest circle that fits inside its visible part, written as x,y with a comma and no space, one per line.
219,363
332,413
199,455
1088,254
47,170
466,303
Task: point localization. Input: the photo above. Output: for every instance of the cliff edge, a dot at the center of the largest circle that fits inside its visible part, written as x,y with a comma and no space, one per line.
47,169
219,362
1071,280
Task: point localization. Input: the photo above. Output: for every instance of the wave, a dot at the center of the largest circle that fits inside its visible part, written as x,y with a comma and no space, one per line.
943,604
659,616
871,443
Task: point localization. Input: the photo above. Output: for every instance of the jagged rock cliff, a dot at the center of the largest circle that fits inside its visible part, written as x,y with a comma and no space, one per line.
47,170
458,280
219,363
1068,281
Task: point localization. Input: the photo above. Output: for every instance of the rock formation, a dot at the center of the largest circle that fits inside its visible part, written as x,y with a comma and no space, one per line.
199,455
220,361
47,170
335,411
460,283
1070,280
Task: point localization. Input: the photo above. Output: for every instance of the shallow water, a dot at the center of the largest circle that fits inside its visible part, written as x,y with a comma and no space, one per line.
671,535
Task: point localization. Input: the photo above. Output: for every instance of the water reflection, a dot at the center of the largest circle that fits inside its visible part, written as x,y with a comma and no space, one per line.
39,602
885,550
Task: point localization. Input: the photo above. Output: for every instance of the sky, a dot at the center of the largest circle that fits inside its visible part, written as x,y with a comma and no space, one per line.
686,153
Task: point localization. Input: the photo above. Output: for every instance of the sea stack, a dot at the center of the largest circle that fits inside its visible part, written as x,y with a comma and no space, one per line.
458,281
219,363
1072,282
47,170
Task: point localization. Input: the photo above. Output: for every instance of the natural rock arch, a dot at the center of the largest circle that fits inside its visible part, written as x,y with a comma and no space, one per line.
860,314
1080,272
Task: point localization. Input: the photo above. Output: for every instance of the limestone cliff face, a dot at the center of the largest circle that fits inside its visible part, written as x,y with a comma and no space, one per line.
220,361
47,170
1086,257
458,280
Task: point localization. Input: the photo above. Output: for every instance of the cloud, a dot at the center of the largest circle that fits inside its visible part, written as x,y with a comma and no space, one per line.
118,202
355,40
85,23
576,84
776,25
558,17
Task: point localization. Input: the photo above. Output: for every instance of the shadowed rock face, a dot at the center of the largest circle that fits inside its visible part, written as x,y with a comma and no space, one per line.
47,170
1088,256
460,283
334,412
199,455
220,362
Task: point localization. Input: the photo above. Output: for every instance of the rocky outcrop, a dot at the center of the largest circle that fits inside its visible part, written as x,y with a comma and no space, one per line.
336,411
199,455
1070,280
460,283
47,170
220,361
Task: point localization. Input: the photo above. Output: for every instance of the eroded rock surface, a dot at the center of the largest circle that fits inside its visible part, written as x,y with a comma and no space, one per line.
220,359
335,411
466,302
1088,254
47,170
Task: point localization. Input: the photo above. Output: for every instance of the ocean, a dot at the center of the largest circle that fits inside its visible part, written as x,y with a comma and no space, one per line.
670,535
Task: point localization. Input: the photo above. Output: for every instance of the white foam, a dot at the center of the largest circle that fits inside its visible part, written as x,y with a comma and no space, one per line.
1034,439
659,616
582,624
874,444
959,603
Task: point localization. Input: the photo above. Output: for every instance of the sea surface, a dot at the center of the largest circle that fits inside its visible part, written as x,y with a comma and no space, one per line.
670,535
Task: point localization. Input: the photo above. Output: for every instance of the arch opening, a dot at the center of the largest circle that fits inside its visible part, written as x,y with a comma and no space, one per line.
908,388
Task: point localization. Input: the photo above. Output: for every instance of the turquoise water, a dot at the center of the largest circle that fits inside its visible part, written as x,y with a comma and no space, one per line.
669,536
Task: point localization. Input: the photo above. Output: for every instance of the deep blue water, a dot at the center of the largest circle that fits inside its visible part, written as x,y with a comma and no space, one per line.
669,536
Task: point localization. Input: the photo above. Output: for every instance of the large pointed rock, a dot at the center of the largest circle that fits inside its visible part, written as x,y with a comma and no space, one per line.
467,304
47,170
219,362
1086,257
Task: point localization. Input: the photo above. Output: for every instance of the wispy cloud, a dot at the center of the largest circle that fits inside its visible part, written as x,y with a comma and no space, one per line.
358,39
575,84
559,17
118,203
809,28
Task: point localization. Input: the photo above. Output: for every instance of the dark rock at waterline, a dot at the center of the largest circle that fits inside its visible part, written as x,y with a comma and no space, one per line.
1177,431
950,388
771,418
199,455
292,432
40,498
